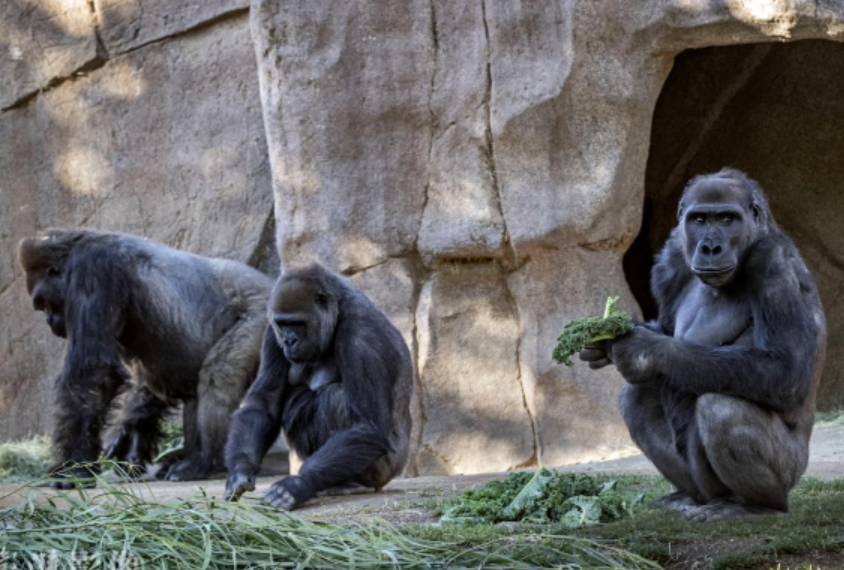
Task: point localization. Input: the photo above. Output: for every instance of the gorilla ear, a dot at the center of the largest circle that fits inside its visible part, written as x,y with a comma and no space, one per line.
322,299
757,211
680,207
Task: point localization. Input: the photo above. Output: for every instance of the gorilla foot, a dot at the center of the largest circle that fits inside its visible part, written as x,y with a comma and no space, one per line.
347,489
723,510
185,470
70,477
676,501
289,493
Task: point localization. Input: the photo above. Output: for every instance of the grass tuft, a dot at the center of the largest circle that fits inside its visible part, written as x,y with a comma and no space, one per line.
124,530
24,460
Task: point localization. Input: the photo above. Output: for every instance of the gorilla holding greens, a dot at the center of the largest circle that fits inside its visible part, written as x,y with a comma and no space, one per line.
720,391
337,377
188,328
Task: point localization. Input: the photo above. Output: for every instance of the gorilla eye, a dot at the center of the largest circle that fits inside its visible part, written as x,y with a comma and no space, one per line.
699,219
321,299
53,272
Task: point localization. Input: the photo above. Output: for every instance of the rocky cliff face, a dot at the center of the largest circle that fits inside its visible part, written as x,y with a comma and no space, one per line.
479,168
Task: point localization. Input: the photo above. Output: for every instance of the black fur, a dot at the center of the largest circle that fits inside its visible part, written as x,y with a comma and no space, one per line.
188,326
336,376
721,390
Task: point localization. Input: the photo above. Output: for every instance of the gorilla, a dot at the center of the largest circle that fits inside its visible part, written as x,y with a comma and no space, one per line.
189,327
720,389
337,377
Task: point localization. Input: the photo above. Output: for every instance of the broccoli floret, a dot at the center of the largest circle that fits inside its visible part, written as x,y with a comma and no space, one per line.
581,332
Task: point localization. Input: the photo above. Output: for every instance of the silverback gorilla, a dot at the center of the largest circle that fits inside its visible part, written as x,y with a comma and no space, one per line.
188,326
337,376
720,391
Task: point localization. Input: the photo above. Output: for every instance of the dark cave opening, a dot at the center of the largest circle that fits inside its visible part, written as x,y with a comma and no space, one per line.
775,111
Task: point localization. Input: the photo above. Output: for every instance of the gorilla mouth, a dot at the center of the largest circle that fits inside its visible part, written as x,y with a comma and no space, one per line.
714,277
713,272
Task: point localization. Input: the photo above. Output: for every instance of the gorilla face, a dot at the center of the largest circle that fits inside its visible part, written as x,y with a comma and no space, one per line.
45,282
303,319
718,224
47,297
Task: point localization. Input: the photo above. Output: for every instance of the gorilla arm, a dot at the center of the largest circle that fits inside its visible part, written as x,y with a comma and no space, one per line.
775,370
93,371
257,423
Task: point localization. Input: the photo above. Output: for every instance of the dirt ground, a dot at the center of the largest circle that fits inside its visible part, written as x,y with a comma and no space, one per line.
401,501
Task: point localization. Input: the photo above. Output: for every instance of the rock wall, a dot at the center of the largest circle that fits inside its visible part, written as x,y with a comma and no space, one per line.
133,116
479,168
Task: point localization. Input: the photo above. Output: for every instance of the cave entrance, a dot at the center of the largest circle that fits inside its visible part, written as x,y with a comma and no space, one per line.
775,111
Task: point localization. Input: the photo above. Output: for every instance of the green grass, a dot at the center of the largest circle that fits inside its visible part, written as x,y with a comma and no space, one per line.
815,524
119,528
200,532
830,418
814,530
24,460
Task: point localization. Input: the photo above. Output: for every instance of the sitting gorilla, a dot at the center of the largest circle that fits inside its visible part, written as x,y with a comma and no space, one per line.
337,376
720,391
188,326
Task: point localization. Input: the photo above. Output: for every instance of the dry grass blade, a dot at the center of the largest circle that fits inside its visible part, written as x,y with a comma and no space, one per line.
115,527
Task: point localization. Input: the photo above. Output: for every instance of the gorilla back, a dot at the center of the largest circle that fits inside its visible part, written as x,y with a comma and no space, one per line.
720,390
189,326
337,376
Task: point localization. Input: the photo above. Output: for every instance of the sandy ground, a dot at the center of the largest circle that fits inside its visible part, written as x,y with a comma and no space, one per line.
826,462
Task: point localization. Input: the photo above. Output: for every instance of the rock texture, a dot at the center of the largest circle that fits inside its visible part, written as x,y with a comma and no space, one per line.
165,141
42,42
499,152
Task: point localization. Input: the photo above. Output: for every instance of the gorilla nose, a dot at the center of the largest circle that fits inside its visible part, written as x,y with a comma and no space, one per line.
710,248
39,303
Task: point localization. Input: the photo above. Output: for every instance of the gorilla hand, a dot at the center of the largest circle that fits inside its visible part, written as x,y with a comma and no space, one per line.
289,493
634,355
237,483
69,475
119,446
132,450
598,354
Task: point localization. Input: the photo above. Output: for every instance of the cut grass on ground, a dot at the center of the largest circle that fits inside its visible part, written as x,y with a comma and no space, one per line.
114,527
811,537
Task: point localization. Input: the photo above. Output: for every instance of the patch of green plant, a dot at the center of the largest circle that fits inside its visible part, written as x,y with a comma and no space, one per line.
545,496
172,441
580,333
24,460
829,418
115,527
815,524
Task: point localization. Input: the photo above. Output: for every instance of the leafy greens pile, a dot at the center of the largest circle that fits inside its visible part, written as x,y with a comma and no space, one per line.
571,499
579,333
